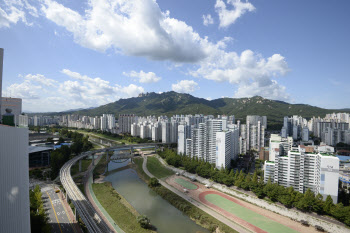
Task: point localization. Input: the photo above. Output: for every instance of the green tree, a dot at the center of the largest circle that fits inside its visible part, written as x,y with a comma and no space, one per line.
153,182
307,202
144,221
49,140
328,205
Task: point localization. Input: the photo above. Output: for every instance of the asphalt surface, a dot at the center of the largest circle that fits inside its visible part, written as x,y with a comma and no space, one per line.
58,217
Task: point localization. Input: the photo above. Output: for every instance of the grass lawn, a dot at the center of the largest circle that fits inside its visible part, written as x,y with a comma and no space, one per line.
140,172
117,140
186,184
84,166
118,208
250,216
157,169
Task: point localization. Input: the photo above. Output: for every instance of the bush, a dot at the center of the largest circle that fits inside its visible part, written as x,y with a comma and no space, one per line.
153,182
144,221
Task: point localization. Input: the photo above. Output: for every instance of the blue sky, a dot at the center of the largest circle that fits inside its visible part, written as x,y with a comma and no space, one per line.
65,54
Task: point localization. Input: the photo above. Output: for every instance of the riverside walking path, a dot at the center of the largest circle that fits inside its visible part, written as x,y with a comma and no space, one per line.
209,211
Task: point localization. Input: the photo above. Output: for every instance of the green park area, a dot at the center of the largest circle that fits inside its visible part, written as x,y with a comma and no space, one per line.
118,208
248,215
84,166
157,169
186,184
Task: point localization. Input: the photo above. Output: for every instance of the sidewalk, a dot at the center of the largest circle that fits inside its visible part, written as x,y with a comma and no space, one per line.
95,203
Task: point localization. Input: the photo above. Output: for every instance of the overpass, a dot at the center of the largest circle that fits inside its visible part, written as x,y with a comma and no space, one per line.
87,213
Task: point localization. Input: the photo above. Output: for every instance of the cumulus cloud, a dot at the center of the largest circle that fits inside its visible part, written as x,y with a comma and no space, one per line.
228,17
143,77
39,78
24,90
95,91
185,86
140,28
245,70
79,91
133,27
207,19
270,90
14,11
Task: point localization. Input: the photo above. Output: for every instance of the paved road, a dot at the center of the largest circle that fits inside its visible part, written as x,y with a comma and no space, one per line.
211,212
86,181
58,216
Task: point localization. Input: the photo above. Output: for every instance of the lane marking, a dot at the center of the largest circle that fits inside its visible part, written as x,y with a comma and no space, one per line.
54,212
71,224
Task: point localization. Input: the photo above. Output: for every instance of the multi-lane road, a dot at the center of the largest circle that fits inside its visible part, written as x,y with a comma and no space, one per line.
57,212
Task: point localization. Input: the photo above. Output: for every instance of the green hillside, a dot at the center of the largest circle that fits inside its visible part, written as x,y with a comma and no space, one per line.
170,103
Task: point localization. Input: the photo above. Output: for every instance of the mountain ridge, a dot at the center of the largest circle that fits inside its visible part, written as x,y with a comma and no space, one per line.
171,103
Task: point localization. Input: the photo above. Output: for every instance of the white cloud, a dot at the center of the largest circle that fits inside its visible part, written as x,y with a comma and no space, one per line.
143,77
228,17
244,69
207,19
133,27
24,90
39,78
13,11
95,91
185,86
80,91
270,90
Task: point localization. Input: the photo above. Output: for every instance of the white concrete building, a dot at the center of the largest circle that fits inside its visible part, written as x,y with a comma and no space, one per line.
319,172
165,132
305,134
181,142
14,180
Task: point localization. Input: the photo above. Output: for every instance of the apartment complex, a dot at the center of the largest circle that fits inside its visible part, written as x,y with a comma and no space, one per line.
300,170
332,129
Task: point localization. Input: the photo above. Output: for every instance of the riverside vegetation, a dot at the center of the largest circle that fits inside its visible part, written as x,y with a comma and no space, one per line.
200,217
307,202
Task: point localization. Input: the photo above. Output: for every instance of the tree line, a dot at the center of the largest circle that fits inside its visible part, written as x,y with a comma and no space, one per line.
60,156
306,202
126,137
38,217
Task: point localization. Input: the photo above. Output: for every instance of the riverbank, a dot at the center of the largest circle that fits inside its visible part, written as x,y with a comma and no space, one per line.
118,208
197,215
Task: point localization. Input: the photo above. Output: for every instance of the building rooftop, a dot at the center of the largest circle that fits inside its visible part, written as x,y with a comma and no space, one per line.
34,149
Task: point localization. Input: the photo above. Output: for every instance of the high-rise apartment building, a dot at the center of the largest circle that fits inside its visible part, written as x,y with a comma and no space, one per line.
302,171
125,121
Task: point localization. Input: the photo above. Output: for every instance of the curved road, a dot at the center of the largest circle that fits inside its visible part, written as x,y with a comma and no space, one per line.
88,214
211,212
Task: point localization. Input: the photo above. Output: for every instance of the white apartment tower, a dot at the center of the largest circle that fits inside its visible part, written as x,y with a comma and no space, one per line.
319,172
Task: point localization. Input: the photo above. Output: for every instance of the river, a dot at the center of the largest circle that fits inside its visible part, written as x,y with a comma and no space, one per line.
165,217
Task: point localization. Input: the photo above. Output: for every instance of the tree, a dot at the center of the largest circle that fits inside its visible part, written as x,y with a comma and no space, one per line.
328,205
307,202
60,141
153,182
50,140
144,221
318,204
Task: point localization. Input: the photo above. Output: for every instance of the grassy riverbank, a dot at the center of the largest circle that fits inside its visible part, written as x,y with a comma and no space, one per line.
84,166
200,217
157,169
118,208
